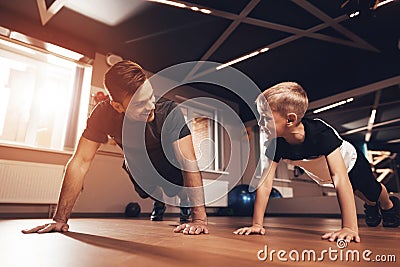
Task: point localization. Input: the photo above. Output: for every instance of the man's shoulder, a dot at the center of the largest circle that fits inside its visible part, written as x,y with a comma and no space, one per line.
103,106
164,105
103,110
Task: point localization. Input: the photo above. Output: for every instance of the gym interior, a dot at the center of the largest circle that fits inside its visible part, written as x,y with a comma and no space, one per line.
54,55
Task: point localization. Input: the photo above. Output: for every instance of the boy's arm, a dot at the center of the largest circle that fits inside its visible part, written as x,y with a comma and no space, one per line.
74,175
261,202
345,197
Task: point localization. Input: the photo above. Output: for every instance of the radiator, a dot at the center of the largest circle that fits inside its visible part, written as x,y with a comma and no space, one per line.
30,183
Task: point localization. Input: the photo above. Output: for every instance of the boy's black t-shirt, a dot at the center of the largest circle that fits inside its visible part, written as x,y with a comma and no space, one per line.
320,140
105,122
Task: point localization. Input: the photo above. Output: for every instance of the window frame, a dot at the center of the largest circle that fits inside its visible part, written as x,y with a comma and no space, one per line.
218,164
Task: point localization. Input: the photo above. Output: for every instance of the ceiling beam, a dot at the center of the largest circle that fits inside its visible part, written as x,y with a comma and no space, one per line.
366,127
355,92
47,14
291,39
221,39
333,24
299,33
311,33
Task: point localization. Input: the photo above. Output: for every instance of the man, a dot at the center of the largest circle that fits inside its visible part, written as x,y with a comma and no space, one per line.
128,86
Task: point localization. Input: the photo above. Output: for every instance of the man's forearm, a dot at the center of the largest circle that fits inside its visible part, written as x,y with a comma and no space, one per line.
194,184
71,187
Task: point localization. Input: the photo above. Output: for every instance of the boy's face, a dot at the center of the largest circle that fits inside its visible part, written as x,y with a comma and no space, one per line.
141,104
280,124
272,124
266,120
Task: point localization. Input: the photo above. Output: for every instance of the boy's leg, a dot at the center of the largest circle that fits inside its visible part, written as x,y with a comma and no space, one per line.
378,203
371,209
390,209
384,200
367,188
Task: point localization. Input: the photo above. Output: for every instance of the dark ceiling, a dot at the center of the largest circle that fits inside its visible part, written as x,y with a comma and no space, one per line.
312,42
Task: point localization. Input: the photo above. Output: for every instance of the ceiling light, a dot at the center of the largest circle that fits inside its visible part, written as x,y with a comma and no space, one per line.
170,3
352,15
384,3
101,11
238,60
205,11
255,53
367,137
372,117
371,120
181,5
340,103
393,141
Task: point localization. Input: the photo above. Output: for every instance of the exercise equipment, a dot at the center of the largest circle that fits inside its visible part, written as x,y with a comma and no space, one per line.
132,210
241,201
275,193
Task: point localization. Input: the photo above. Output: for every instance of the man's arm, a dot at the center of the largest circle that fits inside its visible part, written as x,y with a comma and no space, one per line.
261,202
74,175
345,197
186,156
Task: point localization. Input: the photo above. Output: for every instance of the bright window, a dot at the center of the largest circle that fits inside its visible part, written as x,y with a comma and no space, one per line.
207,137
41,96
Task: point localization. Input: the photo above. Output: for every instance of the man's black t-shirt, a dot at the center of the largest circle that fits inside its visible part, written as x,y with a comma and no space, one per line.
320,140
105,122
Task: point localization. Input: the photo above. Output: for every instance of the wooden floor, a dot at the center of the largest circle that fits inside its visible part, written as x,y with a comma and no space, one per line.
140,242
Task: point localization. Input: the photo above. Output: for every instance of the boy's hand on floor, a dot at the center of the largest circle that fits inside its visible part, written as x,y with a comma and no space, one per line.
345,234
254,229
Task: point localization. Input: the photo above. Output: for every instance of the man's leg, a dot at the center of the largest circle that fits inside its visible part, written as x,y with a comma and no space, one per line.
158,207
154,193
184,213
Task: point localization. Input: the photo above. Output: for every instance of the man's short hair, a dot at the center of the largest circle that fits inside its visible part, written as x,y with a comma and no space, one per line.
123,79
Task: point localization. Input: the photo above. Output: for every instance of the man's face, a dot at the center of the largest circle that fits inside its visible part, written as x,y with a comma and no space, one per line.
141,104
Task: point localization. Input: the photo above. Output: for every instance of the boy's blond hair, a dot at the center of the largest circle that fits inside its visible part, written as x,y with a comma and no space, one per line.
284,98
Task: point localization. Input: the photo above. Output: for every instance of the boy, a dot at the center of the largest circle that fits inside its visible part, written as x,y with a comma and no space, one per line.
299,139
